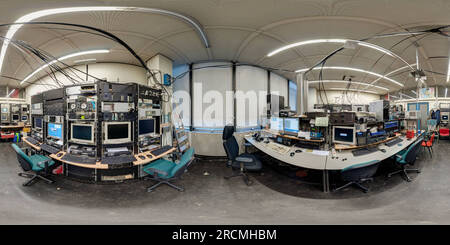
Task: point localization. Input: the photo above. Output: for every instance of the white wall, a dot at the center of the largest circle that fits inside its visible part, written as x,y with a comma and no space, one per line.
112,72
336,97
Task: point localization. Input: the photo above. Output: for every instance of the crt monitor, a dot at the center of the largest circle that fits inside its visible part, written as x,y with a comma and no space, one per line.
276,123
444,117
15,117
117,132
344,135
38,122
55,130
82,133
24,118
146,127
291,125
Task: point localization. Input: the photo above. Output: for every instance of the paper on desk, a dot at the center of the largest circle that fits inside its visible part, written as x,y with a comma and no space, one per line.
320,153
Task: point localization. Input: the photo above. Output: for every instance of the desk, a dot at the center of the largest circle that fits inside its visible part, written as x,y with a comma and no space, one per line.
326,163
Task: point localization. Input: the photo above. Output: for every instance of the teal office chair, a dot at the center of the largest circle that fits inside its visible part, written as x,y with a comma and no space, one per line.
35,166
407,157
164,171
357,174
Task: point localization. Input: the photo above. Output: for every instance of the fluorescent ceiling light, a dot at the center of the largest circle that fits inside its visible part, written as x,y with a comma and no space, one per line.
346,82
12,91
85,61
445,92
353,90
414,92
343,41
352,69
99,51
448,70
406,95
38,14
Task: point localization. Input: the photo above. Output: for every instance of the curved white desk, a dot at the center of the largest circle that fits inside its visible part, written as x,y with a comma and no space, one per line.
338,161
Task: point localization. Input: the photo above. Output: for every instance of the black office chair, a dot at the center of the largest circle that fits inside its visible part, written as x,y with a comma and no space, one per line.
358,174
244,162
36,166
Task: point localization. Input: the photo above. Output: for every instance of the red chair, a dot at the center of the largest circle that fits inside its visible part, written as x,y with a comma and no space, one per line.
429,145
444,132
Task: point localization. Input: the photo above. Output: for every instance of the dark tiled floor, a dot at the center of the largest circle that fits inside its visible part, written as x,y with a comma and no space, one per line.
277,197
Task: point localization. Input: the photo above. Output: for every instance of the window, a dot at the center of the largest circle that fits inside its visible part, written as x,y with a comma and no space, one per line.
293,95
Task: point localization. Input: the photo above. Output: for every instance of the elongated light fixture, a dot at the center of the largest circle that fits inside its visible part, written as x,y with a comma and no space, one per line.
346,82
353,69
99,51
47,12
353,90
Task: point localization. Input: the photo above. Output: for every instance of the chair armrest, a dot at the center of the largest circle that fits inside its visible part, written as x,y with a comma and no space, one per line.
243,159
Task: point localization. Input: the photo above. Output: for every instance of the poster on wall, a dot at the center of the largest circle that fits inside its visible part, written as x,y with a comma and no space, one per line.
426,93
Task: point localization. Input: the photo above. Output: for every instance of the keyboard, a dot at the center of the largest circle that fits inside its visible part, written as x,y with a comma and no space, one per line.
161,150
394,142
364,151
118,159
79,159
49,148
282,149
32,141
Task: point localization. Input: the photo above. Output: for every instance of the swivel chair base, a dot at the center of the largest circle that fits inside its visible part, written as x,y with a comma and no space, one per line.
160,182
34,179
357,184
405,172
245,177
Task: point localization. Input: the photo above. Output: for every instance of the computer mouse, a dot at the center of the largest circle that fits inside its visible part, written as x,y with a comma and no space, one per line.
298,151
142,157
292,154
59,154
383,150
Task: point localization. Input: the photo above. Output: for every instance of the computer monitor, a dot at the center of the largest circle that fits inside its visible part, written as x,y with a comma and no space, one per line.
291,126
445,117
117,132
5,110
38,122
146,127
15,117
24,118
391,126
344,135
82,133
276,123
55,130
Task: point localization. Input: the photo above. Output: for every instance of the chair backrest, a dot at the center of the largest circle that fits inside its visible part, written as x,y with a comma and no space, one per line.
411,154
229,143
432,139
180,167
360,171
444,131
24,160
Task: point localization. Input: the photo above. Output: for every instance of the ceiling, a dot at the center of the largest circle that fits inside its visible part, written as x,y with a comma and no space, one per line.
245,31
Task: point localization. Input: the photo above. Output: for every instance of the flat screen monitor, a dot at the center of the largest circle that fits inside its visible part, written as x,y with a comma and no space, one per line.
24,118
117,132
38,122
344,135
276,123
391,126
291,125
15,117
54,130
146,126
82,133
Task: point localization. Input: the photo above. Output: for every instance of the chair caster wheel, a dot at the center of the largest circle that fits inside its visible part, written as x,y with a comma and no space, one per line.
419,171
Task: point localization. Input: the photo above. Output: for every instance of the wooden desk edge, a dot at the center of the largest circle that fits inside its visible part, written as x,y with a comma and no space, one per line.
344,148
145,161
34,146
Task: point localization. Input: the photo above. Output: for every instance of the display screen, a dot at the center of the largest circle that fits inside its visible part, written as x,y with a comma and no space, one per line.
117,131
444,117
291,124
343,134
4,109
391,125
276,123
24,118
15,117
146,126
82,132
38,122
54,130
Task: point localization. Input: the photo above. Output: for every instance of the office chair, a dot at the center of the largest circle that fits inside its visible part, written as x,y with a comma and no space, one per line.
35,166
444,133
358,174
164,171
405,157
429,144
244,162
